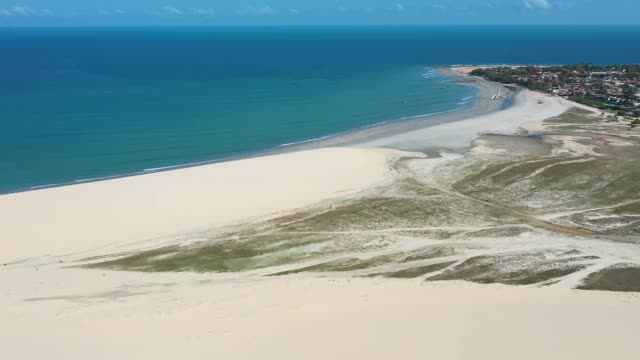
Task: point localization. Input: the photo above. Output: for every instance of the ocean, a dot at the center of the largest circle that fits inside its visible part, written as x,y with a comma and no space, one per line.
78,104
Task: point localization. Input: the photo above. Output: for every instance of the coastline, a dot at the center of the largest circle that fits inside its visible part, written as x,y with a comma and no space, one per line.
49,298
188,199
482,105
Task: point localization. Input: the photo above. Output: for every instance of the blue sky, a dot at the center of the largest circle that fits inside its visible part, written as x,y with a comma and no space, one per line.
315,12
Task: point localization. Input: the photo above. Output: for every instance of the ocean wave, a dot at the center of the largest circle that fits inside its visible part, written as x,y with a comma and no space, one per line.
94,179
305,141
164,168
181,166
430,73
44,186
376,124
431,114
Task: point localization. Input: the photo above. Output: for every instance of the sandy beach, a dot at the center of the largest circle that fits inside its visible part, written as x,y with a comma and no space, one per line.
467,69
49,307
142,210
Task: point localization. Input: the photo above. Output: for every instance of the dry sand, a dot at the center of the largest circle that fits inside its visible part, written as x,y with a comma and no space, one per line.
81,314
50,311
466,70
136,209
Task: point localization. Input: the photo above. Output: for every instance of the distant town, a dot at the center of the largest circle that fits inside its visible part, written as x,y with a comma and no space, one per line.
614,87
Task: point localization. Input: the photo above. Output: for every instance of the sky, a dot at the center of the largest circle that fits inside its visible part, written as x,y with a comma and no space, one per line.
316,12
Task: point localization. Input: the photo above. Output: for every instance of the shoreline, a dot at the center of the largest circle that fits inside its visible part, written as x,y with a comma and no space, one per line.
132,210
49,297
481,105
182,200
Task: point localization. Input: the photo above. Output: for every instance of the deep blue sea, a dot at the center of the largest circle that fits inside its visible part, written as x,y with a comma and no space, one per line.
85,103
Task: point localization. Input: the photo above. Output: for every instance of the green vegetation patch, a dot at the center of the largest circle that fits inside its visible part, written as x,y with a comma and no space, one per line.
514,269
429,234
633,208
618,225
525,169
399,212
575,116
496,176
560,182
500,232
562,171
216,258
344,265
417,271
616,278
224,256
591,102
431,253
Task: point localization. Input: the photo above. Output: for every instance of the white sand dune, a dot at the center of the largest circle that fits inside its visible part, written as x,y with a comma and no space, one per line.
133,209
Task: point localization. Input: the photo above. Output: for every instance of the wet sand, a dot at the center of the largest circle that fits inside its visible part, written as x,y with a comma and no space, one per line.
483,105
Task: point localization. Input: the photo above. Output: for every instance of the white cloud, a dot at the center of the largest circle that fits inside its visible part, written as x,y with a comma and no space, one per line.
22,11
203,11
293,11
26,11
170,10
536,4
257,11
103,12
400,7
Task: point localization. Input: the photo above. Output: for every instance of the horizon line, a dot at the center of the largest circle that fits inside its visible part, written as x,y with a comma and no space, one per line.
305,25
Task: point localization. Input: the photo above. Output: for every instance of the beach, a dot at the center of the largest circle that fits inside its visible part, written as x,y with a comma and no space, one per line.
153,207
485,102
49,298
149,208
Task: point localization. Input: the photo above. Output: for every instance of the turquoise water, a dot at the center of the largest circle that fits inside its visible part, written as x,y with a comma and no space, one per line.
81,104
